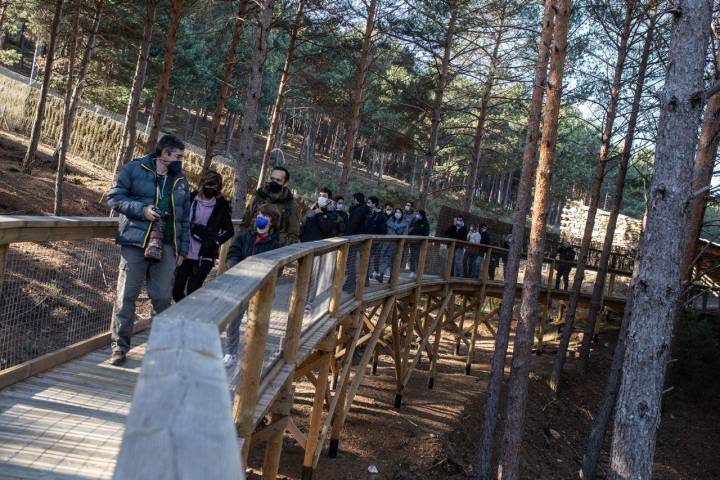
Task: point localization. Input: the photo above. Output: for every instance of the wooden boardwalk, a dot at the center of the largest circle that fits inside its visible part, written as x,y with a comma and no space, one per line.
68,422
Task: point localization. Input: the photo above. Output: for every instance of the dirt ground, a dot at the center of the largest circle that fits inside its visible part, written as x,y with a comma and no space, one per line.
434,434
22,194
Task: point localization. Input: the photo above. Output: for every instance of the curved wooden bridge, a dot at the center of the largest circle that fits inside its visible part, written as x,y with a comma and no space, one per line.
173,411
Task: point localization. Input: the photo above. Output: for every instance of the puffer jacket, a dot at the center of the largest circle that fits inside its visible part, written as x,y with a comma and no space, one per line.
396,227
136,188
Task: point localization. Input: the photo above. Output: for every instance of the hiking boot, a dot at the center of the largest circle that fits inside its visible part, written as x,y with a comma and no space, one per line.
118,358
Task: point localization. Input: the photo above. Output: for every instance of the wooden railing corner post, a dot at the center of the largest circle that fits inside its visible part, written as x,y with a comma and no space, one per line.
364,266
447,274
397,263
256,334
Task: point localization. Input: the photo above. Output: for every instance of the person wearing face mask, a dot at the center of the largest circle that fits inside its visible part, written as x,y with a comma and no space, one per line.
261,238
421,228
341,209
357,218
210,226
396,225
150,194
376,225
457,231
322,221
277,192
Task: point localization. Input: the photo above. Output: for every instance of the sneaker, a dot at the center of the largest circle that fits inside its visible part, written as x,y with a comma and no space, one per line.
229,360
118,358
380,277
308,307
412,276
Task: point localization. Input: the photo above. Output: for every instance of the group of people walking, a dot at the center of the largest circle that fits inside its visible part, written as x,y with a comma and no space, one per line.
170,236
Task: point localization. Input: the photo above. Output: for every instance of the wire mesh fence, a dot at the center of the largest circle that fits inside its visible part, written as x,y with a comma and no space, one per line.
55,294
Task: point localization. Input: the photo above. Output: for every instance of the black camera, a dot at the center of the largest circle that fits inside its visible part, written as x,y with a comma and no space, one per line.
162,213
198,231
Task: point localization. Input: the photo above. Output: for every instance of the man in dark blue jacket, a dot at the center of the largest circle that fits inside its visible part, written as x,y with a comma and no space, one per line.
152,196
356,225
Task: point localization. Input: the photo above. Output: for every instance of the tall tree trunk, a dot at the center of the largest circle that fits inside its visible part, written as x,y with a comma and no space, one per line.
431,154
480,128
594,197
65,137
3,11
607,404
160,103
249,121
354,122
497,369
598,288
80,80
229,130
29,160
702,176
129,136
277,112
225,85
654,300
518,382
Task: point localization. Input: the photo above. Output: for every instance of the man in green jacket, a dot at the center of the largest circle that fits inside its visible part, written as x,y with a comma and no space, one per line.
152,196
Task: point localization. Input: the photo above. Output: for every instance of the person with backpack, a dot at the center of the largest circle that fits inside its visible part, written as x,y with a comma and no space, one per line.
261,238
152,196
566,255
396,226
210,227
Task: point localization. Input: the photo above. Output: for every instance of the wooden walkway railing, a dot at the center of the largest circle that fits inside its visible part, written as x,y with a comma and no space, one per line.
310,309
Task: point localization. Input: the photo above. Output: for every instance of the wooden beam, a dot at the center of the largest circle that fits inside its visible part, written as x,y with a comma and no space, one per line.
316,417
246,393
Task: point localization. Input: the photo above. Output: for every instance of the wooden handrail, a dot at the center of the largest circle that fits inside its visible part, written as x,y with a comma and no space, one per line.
181,417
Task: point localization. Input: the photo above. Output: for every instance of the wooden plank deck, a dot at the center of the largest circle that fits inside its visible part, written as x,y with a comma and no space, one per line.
68,422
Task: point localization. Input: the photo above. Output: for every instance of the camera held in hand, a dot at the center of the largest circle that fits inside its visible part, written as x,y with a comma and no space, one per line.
154,248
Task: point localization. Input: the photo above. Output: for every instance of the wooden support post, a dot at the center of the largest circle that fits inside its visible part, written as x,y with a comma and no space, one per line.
317,412
250,370
438,336
283,406
222,260
395,323
375,357
411,321
548,303
461,326
447,274
611,285
3,261
341,414
338,279
397,264
362,272
473,338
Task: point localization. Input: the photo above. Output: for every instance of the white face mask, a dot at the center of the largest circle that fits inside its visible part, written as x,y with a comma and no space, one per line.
340,206
418,216
398,215
388,212
459,223
322,202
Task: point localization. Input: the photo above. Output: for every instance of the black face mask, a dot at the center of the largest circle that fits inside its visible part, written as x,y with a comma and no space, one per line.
210,192
274,187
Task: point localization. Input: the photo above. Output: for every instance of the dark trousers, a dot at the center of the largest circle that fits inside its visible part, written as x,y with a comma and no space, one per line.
563,273
414,257
190,276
